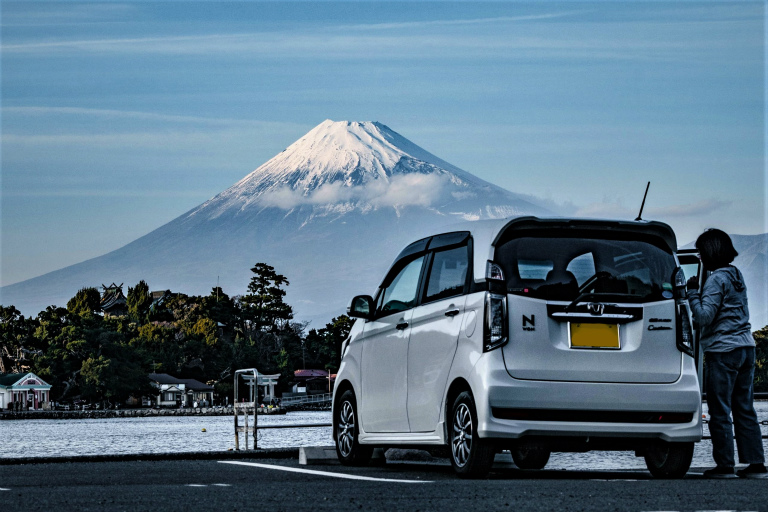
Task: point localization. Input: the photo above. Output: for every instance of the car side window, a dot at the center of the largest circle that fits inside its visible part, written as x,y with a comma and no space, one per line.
401,292
448,274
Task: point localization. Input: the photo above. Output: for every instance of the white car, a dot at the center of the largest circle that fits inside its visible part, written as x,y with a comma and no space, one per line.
533,335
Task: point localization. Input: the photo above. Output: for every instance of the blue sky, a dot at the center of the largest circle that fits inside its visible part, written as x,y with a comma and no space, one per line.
118,117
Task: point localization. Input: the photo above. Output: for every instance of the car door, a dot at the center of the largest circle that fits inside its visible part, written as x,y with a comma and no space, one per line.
691,265
434,335
385,350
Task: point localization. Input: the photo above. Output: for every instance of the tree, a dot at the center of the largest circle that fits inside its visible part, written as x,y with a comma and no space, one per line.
219,307
158,346
321,347
138,301
761,359
206,329
85,302
264,306
16,340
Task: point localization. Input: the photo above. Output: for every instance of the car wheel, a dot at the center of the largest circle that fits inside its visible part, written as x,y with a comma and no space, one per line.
528,456
471,457
345,433
669,460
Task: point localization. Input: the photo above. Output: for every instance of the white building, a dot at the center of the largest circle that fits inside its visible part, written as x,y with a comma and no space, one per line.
173,392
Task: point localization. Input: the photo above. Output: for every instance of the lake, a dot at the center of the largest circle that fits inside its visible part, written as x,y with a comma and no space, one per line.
43,438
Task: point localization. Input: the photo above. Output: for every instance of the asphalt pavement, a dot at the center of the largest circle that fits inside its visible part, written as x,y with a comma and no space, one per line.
264,484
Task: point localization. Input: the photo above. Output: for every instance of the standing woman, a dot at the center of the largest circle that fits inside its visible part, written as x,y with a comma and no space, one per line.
720,312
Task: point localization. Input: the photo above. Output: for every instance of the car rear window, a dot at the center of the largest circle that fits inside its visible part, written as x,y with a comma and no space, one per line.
562,268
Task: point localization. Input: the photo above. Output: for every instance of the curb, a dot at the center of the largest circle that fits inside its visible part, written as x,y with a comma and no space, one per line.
758,395
270,453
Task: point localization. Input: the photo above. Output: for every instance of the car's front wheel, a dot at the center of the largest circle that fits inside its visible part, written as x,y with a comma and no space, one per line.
669,460
471,457
346,431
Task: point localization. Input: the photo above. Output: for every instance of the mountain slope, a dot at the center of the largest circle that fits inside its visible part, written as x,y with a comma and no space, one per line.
753,263
330,212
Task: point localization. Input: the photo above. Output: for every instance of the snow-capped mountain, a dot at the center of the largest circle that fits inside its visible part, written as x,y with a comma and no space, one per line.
330,212
341,167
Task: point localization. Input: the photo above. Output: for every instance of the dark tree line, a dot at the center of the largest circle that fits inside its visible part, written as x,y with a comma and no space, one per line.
84,354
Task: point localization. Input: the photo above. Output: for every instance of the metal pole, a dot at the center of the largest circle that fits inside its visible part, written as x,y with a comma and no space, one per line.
237,434
246,426
255,391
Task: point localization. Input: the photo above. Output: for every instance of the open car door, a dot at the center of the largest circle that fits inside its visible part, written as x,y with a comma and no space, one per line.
691,265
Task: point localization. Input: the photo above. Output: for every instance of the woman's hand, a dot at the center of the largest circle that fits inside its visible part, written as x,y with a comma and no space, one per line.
692,284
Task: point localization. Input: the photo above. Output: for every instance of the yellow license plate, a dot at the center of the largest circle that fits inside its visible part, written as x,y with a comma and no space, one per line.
595,336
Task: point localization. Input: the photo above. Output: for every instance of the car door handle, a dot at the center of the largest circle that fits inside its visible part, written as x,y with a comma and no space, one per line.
452,312
401,326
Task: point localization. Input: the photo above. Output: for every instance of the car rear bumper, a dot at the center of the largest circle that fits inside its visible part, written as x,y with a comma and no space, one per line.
510,408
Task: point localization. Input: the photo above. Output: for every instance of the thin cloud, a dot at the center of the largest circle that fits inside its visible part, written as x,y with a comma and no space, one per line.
69,14
687,210
578,40
405,190
471,21
132,114
617,210
99,193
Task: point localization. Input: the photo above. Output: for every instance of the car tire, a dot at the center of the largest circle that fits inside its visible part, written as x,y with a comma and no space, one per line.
669,460
528,456
471,457
346,431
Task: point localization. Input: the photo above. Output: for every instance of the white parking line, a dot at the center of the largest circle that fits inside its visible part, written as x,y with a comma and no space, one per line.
197,485
324,473
4,489
222,485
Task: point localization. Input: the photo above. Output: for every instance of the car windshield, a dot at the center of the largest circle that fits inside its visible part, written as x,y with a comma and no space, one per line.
565,268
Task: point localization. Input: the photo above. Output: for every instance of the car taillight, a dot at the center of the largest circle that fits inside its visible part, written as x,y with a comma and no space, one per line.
684,330
682,316
495,328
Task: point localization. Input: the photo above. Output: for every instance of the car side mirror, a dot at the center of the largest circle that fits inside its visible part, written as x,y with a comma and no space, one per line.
361,307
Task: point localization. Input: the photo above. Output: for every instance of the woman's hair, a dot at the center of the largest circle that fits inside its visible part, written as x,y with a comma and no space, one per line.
716,248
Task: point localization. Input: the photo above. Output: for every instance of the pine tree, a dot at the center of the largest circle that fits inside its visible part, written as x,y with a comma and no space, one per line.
264,306
85,302
138,302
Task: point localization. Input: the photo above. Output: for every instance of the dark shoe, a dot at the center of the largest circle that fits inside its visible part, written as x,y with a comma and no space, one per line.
753,471
719,472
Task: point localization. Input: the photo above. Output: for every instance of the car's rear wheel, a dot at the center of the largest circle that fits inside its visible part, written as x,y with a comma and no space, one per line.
346,431
529,456
471,457
669,460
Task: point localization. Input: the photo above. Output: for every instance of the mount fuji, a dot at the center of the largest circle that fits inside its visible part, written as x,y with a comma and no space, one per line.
330,213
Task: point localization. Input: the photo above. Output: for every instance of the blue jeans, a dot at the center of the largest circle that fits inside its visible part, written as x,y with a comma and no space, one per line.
729,391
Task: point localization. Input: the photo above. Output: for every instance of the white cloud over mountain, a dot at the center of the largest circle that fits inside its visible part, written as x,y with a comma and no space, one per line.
403,190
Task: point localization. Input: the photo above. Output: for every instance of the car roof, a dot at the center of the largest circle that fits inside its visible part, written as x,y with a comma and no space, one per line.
487,233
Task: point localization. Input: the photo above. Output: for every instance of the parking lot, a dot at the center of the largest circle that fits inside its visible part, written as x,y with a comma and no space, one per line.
283,484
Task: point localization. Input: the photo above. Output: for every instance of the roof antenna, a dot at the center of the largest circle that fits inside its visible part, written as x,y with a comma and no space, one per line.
640,215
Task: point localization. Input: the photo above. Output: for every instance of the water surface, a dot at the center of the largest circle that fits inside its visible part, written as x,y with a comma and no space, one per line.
162,434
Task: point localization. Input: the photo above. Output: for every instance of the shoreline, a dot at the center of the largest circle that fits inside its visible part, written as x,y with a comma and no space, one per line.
200,411
144,413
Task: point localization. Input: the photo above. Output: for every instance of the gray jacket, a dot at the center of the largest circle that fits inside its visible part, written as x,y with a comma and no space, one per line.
721,312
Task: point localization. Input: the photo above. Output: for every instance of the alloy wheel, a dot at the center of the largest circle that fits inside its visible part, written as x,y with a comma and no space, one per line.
346,429
462,435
